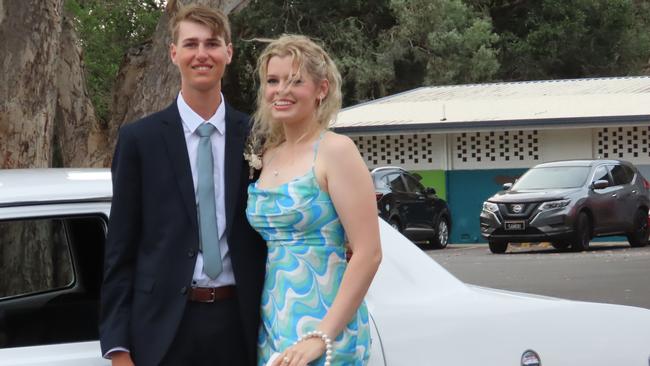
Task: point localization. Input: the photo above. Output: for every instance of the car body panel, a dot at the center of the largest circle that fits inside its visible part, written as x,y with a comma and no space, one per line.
420,314
67,354
425,316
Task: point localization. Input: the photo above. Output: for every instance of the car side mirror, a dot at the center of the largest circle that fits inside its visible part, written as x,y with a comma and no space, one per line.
600,184
430,190
507,186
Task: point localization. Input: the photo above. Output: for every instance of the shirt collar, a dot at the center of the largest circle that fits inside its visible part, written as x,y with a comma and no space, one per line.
192,120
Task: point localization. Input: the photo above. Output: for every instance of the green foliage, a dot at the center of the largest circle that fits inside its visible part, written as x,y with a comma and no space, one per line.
107,29
347,29
442,40
549,39
380,46
386,46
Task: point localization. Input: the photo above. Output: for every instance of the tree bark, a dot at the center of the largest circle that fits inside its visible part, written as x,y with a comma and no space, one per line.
147,80
31,33
46,117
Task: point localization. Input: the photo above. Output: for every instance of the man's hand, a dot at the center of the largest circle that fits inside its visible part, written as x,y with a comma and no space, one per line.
120,358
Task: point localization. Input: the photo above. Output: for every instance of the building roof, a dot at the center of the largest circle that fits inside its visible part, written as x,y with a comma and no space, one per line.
520,105
34,186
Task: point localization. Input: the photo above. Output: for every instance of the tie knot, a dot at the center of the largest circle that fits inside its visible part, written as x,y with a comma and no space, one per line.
205,129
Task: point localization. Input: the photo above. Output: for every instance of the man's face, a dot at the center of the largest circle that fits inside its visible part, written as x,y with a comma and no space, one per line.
201,56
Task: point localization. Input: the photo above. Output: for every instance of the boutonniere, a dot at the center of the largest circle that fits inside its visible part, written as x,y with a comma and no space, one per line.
254,160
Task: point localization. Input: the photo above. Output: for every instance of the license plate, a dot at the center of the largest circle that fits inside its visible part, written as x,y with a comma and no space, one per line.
515,225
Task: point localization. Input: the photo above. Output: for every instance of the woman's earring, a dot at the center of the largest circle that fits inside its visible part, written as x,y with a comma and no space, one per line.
320,100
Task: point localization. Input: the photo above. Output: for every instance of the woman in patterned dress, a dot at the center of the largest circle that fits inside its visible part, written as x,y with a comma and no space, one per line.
314,196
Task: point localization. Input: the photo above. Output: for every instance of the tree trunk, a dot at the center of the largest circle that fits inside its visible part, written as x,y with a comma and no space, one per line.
31,32
46,117
147,80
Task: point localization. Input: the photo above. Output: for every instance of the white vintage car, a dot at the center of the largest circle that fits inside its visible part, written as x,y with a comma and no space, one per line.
421,314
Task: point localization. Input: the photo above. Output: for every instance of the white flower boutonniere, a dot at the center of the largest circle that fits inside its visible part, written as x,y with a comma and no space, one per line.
254,160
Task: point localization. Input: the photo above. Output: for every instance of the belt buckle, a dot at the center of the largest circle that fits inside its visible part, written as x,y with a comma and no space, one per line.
212,298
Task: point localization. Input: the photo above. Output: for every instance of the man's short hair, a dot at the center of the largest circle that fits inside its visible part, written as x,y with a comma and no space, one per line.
214,19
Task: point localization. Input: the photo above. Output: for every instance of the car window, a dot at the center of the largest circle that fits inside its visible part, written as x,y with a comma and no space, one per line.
381,182
553,177
412,185
35,257
395,182
601,173
620,174
50,277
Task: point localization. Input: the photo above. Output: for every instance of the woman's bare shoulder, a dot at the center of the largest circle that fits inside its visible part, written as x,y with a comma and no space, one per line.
336,144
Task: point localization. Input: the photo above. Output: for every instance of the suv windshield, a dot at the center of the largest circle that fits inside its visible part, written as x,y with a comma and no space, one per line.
553,177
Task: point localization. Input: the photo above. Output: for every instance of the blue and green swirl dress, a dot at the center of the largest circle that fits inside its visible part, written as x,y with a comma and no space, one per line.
304,269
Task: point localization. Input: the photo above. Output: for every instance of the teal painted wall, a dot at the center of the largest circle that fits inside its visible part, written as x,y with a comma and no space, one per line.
467,191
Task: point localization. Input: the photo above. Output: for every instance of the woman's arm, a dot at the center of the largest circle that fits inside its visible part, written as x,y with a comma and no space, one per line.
350,187
342,172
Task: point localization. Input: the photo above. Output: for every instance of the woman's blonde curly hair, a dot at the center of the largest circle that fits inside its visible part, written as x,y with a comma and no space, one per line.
312,61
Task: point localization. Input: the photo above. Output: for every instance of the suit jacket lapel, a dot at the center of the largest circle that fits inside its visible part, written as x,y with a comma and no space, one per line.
234,160
180,161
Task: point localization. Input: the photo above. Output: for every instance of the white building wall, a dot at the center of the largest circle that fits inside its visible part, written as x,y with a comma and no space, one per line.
495,149
422,151
504,149
565,144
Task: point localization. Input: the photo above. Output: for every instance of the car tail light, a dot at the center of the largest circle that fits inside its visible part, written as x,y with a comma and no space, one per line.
379,195
646,184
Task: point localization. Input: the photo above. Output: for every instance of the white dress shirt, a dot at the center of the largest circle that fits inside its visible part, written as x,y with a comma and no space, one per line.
191,121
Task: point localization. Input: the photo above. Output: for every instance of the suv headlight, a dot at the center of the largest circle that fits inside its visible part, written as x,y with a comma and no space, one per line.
490,207
554,204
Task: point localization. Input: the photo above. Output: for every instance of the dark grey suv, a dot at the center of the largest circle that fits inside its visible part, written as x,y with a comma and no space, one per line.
568,203
409,207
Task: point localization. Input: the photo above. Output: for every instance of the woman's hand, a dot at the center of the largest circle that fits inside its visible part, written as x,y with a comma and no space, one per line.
301,353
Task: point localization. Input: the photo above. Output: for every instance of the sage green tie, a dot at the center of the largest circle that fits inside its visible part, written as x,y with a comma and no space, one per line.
207,209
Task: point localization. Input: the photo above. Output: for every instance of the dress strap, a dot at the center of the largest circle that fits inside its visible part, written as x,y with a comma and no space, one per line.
317,143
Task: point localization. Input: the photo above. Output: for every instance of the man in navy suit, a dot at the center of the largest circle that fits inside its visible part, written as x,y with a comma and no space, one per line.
162,304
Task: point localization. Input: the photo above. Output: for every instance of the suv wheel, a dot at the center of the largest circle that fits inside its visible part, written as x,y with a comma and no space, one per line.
582,235
498,247
441,237
639,237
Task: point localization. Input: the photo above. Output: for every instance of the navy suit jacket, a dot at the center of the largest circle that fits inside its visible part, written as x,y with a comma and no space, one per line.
153,236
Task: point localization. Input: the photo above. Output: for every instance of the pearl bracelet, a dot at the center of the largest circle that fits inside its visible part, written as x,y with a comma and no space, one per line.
325,338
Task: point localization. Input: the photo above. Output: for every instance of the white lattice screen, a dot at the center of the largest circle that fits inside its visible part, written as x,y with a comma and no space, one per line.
629,143
495,149
412,151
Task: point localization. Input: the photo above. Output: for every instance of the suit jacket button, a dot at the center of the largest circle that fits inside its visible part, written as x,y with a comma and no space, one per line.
184,290
190,253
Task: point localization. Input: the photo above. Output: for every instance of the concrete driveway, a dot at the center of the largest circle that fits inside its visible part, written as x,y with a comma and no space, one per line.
610,272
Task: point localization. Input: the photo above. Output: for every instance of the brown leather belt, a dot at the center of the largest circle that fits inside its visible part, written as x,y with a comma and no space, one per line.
211,294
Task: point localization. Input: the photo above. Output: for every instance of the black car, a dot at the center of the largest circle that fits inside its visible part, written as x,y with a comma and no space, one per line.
567,203
409,207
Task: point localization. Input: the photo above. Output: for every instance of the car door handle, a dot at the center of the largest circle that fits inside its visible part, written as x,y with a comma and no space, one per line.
614,195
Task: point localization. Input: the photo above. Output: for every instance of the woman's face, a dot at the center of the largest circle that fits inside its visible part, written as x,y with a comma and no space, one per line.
292,97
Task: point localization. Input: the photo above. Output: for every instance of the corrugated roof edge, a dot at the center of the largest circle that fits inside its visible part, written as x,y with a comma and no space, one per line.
406,92
446,127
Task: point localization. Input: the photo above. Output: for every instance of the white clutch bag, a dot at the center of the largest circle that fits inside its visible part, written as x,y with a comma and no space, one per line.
273,357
